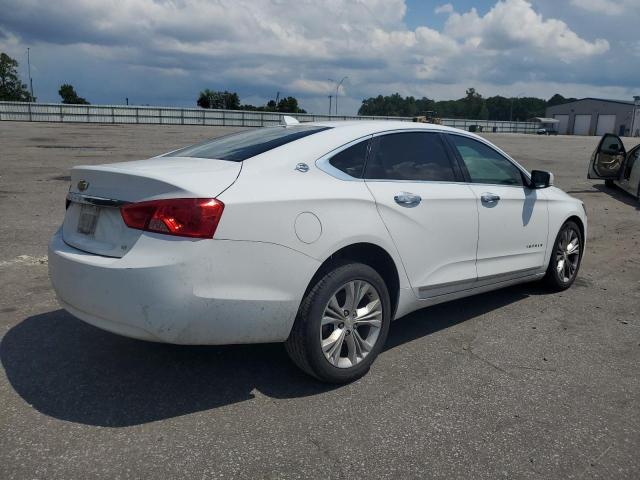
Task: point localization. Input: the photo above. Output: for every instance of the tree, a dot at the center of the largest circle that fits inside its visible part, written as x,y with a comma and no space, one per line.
11,88
472,103
69,95
396,105
499,107
289,105
218,99
558,99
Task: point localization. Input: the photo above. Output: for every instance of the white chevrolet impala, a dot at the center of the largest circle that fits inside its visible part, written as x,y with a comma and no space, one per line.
316,235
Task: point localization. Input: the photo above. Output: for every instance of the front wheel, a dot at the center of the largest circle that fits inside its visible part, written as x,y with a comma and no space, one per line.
609,183
342,324
565,257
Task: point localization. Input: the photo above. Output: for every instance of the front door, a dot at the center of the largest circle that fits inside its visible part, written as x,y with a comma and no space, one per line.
513,219
630,172
430,214
607,159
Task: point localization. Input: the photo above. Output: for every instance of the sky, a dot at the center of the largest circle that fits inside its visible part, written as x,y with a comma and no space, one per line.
163,52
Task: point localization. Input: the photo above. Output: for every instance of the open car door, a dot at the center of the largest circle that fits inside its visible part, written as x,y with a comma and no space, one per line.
607,160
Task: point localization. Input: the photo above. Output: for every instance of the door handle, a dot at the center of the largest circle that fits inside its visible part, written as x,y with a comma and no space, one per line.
408,200
490,198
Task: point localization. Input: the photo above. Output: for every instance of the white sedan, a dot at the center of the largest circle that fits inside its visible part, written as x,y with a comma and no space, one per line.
317,235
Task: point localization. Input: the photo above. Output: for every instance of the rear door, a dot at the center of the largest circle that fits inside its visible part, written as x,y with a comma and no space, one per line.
430,213
607,159
513,219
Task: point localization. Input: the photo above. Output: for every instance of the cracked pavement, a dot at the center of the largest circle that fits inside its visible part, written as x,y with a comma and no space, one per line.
517,383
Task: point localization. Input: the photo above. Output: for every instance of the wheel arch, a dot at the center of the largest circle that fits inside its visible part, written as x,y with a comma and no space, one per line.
369,254
579,222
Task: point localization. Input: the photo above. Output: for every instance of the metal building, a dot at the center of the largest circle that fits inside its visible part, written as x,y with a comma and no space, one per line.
597,116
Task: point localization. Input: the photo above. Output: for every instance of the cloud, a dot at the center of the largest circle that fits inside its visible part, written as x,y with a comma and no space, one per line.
606,7
150,48
514,24
446,8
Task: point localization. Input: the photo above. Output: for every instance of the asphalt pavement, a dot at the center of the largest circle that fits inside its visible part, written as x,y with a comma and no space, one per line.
517,383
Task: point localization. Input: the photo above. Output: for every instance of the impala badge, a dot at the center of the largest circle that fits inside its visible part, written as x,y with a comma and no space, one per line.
302,167
83,185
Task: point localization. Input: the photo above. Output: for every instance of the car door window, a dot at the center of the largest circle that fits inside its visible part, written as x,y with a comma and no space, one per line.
484,164
410,156
632,158
351,160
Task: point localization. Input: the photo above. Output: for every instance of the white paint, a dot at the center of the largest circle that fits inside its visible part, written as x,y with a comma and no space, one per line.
308,227
246,284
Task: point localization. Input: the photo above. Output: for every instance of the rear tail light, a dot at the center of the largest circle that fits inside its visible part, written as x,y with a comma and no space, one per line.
184,217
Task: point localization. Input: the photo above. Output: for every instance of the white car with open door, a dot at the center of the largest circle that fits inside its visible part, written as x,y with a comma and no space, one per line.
611,163
316,235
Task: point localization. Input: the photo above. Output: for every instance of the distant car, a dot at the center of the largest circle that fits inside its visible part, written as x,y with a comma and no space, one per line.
617,167
316,235
547,131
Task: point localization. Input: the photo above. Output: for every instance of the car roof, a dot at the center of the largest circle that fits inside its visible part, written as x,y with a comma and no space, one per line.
375,126
342,132
360,128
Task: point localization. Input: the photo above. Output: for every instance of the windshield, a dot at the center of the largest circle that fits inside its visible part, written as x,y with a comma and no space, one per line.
240,146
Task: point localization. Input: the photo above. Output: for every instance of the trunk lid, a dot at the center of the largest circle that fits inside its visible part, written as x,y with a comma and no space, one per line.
96,226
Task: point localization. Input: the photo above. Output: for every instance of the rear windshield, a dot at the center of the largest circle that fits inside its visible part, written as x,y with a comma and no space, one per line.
240,146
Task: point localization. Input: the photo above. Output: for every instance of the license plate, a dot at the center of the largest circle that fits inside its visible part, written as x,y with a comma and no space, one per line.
88,219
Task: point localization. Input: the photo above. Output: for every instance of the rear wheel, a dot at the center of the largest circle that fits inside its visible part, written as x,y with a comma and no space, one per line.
565,257
342,324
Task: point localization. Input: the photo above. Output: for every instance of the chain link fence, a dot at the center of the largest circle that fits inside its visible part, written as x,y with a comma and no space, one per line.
119,114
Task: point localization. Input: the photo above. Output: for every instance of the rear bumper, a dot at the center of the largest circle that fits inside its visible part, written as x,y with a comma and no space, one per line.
183,291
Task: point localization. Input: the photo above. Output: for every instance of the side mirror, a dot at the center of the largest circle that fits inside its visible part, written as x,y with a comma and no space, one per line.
541,179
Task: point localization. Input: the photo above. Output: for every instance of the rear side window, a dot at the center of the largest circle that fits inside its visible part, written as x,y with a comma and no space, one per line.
247,144
410,156
351,160
484,164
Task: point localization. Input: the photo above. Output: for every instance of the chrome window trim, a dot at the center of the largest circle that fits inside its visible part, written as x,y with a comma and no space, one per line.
92,200
323,162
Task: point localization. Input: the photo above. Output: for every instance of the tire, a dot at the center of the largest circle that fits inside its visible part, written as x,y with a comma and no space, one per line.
609,183
321,326
561,276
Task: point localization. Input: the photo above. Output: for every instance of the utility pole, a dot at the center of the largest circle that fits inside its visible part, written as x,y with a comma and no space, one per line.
30,79
330,96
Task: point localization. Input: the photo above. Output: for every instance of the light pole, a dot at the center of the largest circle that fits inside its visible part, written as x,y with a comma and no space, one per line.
338,85
29,68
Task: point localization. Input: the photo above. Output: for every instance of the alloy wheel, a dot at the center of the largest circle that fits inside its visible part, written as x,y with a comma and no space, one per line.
351,324
568,254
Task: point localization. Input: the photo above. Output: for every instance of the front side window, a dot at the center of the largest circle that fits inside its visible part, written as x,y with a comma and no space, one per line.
632,159
484,164
351,160
410,156
240,146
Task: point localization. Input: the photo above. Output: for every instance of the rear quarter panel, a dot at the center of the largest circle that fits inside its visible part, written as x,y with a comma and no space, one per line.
270,194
